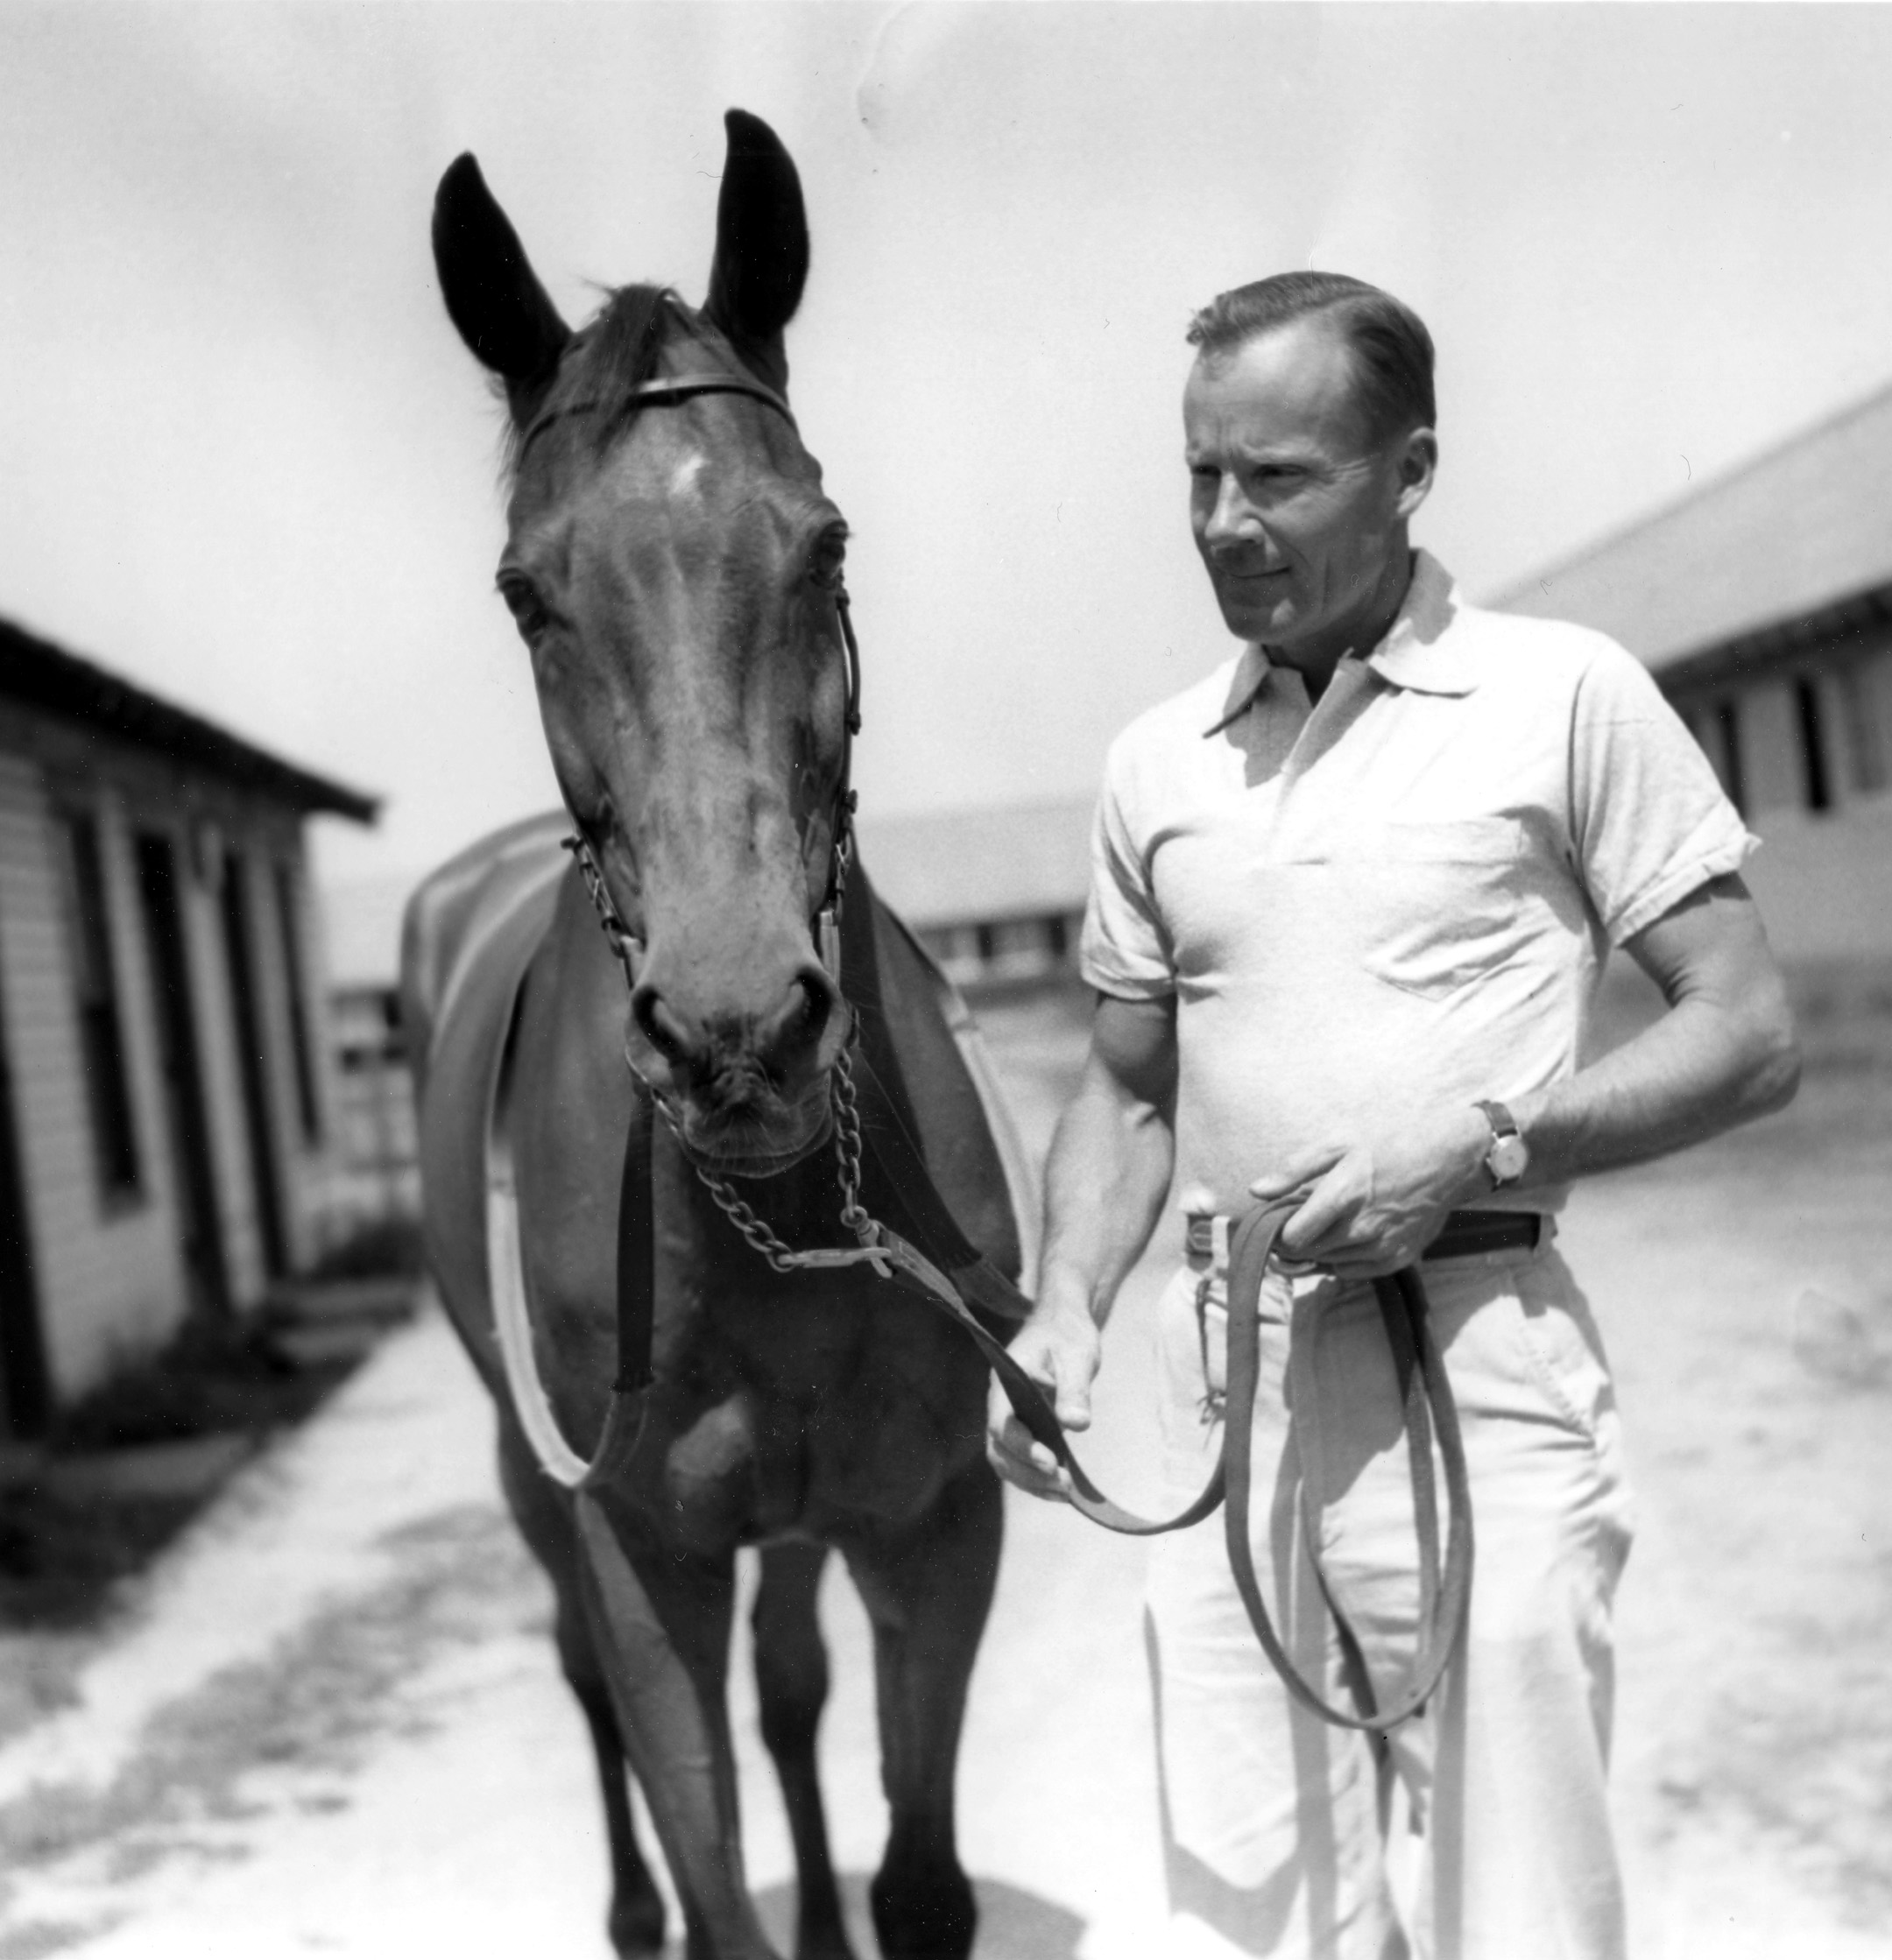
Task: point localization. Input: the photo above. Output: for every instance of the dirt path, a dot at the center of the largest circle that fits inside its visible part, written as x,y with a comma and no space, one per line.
333,1725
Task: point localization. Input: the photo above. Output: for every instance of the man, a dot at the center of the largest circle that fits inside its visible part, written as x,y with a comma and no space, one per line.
1351,898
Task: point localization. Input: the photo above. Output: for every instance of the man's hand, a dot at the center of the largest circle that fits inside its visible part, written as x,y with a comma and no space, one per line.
1372,1208
1061,1352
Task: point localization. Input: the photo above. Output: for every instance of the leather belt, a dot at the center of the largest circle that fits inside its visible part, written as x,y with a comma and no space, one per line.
1464,1235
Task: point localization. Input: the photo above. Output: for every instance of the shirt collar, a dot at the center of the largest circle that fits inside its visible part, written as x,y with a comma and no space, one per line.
1419,651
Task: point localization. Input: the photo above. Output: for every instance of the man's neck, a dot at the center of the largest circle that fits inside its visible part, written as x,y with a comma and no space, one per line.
1315,664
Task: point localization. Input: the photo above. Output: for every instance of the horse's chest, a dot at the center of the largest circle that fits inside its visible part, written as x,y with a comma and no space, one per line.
778,1426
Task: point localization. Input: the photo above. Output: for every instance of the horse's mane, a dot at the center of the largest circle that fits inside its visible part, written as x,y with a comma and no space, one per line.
608,360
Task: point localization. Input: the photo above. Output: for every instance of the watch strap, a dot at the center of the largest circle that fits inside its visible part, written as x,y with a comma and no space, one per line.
1502,1120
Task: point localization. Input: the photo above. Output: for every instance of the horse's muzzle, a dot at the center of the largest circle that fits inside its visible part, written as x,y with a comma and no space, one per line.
752,1145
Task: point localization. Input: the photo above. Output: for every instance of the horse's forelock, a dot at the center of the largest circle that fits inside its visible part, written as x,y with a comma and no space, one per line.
609,360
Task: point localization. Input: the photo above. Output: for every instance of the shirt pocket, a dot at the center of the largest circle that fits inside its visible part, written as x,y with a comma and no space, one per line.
1437,907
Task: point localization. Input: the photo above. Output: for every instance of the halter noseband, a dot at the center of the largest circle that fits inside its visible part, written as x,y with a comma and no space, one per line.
826,925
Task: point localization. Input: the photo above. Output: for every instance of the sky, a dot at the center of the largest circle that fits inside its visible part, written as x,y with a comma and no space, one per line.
248,465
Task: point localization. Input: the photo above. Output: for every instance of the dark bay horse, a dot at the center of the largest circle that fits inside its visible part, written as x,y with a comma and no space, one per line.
674,568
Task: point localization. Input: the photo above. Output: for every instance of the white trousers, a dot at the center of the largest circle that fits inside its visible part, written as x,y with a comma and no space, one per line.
1275,1823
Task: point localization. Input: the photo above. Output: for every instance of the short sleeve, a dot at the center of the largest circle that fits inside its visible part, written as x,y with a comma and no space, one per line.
1125,950
1648,820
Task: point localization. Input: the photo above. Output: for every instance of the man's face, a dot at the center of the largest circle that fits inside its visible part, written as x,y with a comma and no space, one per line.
1299,514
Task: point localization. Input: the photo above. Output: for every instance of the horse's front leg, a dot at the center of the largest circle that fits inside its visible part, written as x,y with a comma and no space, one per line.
927,1592
660,1624
791,1665
636,1921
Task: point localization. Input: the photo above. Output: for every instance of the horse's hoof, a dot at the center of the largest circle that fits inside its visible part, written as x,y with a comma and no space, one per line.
929,1917
636,1927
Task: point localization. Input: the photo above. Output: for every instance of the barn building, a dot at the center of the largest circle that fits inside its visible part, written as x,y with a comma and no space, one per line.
1761,604
164,1095
996,895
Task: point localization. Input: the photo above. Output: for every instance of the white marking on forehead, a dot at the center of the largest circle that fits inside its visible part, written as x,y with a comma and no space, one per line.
684,477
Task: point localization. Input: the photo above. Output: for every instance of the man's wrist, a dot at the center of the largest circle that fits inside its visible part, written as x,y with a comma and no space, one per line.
1065,1297
1504,1158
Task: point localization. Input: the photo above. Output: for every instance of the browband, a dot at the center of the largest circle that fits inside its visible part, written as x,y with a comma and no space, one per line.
676,387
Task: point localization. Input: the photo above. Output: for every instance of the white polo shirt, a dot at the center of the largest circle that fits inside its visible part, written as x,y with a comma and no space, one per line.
1401,898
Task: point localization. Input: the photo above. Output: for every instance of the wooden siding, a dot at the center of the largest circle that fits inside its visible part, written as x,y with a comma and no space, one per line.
1770,749
108,1280
1824,884
110,1271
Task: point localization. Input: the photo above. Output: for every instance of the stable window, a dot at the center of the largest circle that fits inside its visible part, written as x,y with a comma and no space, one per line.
96,992
1814,774
288,921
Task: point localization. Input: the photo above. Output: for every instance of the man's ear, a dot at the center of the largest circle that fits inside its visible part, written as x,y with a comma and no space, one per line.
762,244
492,294
1418,464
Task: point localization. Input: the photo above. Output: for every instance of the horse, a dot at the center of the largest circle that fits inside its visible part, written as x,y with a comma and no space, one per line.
675,570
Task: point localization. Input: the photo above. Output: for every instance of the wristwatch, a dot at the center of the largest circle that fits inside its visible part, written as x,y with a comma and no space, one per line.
1509,1155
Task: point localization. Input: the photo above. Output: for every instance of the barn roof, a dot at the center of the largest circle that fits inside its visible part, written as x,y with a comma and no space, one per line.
1804,529
960,867
37,674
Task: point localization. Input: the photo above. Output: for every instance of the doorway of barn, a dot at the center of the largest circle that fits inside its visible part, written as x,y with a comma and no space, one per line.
25,1405
252,1066
198,1239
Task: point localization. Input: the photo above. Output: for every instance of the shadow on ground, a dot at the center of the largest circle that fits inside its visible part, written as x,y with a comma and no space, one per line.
1013,1924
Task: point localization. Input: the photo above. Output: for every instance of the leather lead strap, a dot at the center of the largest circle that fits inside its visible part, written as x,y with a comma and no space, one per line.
1445,1595
637,1251
1445,1592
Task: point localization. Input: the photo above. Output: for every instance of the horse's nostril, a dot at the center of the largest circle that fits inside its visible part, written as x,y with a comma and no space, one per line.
659,1026
817,1003
789,1041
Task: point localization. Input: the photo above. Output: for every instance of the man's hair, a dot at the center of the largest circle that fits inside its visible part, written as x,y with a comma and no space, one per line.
1392,350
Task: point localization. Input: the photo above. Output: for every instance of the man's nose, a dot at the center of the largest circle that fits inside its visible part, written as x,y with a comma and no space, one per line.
1232,518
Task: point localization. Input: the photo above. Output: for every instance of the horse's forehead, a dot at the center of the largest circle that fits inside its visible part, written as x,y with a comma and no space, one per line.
686,476
668,476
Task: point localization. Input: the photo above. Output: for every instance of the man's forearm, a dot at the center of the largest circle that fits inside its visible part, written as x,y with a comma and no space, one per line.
1699,1070
1723,1053
1108,1174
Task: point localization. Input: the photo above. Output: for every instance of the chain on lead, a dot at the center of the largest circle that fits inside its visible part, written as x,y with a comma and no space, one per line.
754,1228
854,1215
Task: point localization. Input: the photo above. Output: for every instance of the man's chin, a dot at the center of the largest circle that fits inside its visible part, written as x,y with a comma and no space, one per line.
1270,625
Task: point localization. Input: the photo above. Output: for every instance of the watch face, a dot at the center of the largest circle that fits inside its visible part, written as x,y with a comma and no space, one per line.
1507,1159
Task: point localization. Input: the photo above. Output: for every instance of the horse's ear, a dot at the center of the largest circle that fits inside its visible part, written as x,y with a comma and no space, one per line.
492,294
762,242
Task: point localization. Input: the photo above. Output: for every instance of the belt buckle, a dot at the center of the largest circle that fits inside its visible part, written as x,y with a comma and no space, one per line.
1206,1236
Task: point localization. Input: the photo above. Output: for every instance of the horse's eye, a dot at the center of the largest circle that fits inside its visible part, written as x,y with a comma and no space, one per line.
528,612
830,555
